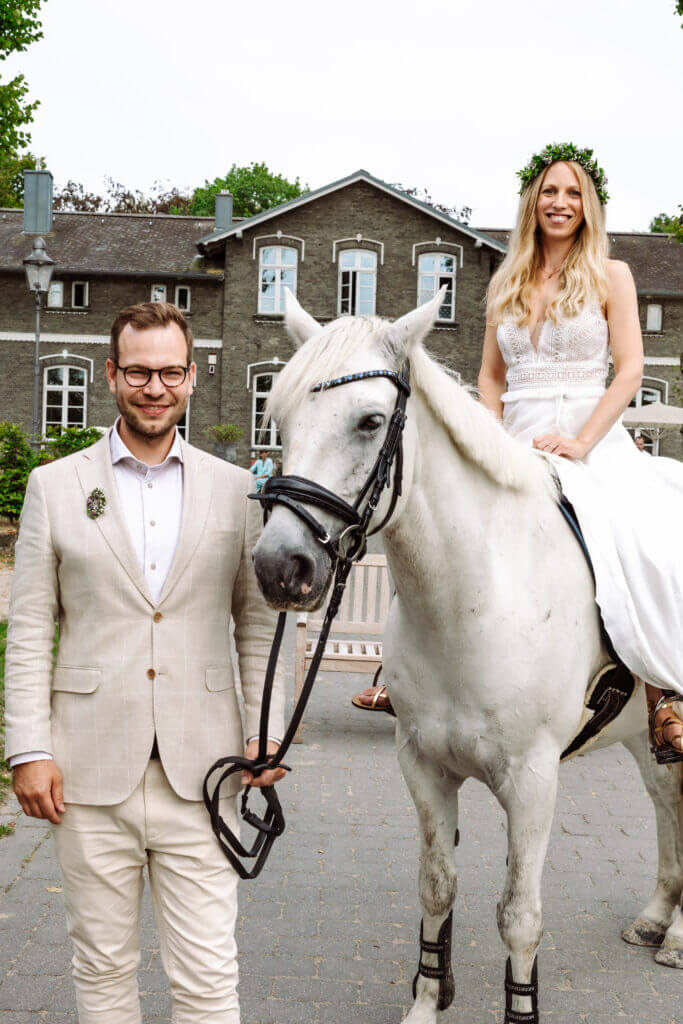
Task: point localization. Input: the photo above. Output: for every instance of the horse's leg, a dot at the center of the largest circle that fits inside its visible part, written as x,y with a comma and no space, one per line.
653,926
527,795
436,800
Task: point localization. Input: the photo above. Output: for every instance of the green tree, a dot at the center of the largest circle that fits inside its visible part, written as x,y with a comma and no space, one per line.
19,27
12,169
253,188
118,198
664,224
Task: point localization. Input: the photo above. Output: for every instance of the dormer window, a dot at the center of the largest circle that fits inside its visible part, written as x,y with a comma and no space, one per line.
55,295
435,270
79,294
277,271
357,282
158,293
182,298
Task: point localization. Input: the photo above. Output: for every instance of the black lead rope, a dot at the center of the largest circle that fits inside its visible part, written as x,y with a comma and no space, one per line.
348,548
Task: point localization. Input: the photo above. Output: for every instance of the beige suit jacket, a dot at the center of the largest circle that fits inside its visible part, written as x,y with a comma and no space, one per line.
127,667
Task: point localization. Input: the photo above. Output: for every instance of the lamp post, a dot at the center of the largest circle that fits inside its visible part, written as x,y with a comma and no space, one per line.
39,268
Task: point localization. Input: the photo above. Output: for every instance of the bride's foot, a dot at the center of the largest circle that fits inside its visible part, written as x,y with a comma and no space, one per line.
666,727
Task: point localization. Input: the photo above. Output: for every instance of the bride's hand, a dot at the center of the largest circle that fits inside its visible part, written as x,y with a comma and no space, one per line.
567,447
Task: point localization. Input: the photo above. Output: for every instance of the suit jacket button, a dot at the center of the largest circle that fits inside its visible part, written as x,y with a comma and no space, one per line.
158,616
151,673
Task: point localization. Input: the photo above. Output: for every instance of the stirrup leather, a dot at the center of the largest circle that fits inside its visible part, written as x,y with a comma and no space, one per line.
442,972
665,752
516,988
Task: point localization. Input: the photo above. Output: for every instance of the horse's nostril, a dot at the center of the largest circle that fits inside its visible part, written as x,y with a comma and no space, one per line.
299,574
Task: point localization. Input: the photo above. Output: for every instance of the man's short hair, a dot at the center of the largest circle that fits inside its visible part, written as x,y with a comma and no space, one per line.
149,314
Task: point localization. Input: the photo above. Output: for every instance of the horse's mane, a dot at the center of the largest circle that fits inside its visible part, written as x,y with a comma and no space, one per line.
472,428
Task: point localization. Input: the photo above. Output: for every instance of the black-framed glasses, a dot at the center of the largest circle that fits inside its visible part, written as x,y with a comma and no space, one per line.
139,376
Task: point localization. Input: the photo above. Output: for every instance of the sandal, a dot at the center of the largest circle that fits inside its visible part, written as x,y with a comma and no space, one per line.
375,698
665,752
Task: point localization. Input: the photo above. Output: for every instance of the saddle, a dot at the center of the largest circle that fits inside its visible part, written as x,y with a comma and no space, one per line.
612,687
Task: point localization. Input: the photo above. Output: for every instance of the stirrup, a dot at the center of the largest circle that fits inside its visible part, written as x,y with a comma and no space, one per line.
665,753
516,988
442,972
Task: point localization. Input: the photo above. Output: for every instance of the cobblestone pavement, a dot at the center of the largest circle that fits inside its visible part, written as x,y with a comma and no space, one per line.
328,935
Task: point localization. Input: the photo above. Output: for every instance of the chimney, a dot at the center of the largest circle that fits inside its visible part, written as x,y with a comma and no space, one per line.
223,211
37,202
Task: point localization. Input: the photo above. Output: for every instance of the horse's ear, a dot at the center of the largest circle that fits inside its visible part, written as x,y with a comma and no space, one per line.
410,329
300,325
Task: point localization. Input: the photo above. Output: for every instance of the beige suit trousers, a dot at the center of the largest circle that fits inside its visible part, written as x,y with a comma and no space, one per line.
102,852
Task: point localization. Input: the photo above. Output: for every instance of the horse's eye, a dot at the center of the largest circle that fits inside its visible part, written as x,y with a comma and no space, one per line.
369,424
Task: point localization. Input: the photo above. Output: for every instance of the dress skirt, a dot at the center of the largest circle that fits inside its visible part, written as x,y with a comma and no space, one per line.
630,507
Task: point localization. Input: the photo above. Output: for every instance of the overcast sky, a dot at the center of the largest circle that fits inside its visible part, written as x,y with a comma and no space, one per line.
449,95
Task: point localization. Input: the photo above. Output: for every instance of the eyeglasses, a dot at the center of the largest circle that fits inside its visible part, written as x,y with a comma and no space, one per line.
139,376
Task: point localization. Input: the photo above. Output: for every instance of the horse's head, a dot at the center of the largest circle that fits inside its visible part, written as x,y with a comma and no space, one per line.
331,437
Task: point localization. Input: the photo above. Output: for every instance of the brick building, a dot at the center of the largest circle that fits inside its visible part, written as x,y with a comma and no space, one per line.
357,245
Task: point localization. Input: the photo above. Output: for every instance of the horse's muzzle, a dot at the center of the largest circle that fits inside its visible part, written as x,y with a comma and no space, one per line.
292,576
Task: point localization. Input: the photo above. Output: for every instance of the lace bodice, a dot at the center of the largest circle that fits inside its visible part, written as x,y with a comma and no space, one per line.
571,356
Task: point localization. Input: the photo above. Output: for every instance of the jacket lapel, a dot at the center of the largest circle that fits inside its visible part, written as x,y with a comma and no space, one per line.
95,470
197,488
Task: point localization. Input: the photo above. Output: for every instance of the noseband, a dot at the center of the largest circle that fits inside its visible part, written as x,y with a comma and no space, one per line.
293,492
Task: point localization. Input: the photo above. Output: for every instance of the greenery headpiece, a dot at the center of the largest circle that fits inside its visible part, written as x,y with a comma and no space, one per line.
565,151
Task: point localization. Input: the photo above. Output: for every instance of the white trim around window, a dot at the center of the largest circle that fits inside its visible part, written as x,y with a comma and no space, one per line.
65,397
157,293
435,269
277,271
80,294
264,432
183,298
357,282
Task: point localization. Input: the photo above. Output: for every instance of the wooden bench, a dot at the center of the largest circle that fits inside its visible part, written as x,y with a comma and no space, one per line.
354,643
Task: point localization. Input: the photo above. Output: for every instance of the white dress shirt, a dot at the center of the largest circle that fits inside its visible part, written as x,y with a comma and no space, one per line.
151,499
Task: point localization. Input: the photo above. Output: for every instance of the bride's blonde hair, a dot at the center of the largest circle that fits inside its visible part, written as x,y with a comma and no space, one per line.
583,278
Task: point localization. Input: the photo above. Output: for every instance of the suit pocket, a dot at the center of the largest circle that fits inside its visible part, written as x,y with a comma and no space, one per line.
219,677
73,679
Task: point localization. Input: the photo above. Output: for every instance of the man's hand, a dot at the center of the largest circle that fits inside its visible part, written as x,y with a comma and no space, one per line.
38,786
267,778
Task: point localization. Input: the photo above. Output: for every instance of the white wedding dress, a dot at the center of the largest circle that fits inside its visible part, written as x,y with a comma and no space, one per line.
629,504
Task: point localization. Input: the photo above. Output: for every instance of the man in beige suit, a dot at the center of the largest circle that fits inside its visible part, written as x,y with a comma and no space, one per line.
140,548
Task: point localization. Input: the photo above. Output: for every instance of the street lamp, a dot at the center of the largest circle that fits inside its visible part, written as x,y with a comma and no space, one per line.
39,268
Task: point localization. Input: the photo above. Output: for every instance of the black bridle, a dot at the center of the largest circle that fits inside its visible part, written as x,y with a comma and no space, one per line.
347,547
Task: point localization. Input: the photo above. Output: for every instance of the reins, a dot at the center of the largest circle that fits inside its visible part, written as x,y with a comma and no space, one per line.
348,547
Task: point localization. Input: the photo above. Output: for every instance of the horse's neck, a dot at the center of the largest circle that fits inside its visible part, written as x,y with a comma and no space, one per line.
453,511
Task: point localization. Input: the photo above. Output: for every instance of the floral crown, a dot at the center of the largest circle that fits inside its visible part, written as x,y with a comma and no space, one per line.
565,151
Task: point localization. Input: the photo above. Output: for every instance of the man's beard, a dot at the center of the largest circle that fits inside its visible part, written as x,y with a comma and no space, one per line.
150,430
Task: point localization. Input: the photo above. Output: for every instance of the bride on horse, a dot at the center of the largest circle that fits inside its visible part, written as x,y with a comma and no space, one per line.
557,306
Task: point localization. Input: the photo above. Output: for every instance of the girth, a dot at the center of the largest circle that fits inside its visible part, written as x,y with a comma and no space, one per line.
615,686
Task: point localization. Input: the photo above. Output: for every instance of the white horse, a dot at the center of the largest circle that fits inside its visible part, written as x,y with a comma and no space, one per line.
492,638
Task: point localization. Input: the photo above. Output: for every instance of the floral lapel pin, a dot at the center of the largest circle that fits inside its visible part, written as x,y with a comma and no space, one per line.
96,503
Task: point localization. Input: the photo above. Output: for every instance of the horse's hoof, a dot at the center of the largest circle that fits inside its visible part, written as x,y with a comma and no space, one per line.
644,933
670,956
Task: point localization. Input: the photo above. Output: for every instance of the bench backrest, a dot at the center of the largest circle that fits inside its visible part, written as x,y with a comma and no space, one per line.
365,603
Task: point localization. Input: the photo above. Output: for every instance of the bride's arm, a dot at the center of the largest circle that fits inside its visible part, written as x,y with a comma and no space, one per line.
627,354
492,374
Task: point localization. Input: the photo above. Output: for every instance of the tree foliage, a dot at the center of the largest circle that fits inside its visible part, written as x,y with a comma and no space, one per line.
12,169
118,198
253,188
461,213
664,224
19,27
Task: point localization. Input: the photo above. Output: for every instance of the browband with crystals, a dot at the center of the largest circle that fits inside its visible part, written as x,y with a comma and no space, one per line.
398,380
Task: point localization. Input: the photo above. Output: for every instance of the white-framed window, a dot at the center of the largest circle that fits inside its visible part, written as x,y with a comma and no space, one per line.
653,320
158,293
653,389
55,295
183,423
183,297
264,432
357,282
436,269
79,294
65,394
277,271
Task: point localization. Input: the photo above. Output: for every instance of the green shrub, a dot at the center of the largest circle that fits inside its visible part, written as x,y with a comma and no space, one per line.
73,439
224,432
